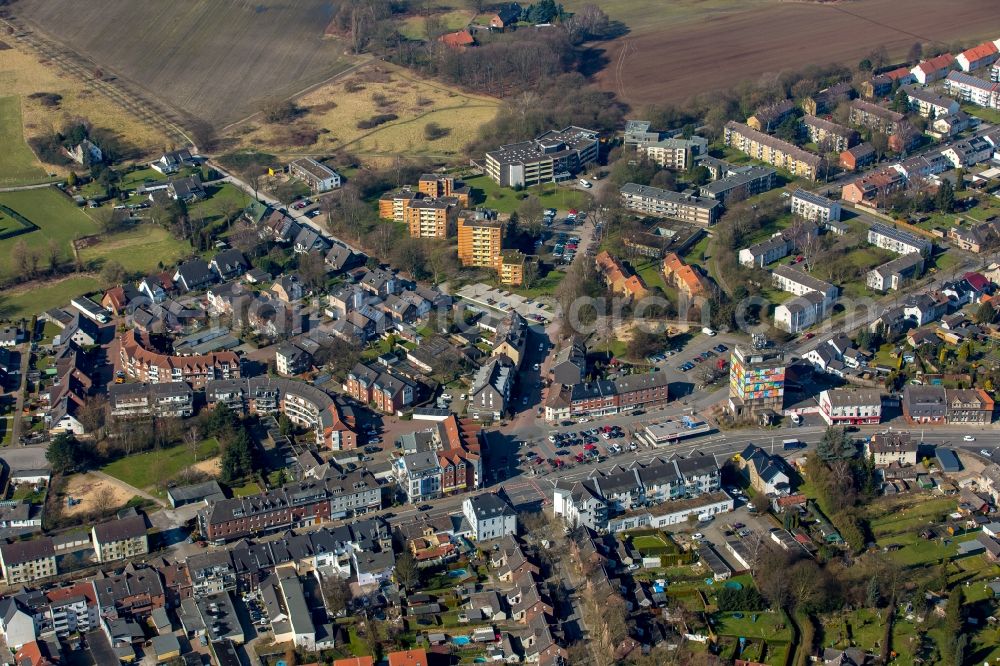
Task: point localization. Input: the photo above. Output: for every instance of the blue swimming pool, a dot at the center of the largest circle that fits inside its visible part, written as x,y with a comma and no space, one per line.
461,640
457,573
734,585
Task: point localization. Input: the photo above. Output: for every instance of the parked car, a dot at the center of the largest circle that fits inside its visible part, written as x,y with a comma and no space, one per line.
968,438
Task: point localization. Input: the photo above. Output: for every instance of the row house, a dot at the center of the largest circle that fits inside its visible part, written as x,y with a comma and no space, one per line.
132,594
936,405
291,506
977,57
171,400
687,279
603,397
388,392
147,365
828,134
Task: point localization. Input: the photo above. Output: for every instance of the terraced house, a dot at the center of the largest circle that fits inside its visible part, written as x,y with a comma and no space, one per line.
293,505
772,150
383,390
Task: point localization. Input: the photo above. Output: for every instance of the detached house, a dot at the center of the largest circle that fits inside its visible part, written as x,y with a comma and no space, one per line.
229,264
172,161
185,189
490,516
193,275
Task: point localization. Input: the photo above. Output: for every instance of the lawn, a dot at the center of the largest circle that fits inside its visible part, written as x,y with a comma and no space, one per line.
991,116
545,286
767,624
24,302
489,194
894,517
17,163
413,27
57,217
140,250
145,470
862,628
220,200
247,489
647,542
651,274
696,254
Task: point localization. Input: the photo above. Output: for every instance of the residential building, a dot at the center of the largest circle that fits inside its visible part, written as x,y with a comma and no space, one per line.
739,183
542,159
905,140
293,505
974,406
756,380
858,157
229,264
491,390
674,153
826,100
172,161
982,55
184,189
27,561
875,117
288,612
139,361
897,240
511,338
455,463
580,504
194,274
874,189
490,516
797,314
893,447
353,493
480,238
765,252
771,150
814,207
603,397
850,406
429,218
767,118
828,135
798,282
768,474
132,594
637,133
895,273
949,126
506,16
929,104
415,657
169,400
290,359
687,279
934,69
305,405
512,266
968,152
973,90
569,366
121,538
667,203
924,405
383,389
319,177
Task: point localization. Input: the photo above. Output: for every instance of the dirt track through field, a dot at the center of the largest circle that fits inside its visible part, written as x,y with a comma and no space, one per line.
669,61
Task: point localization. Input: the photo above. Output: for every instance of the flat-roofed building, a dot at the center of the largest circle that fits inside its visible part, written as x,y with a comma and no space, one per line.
480,238
739,183
319,177
667,203
542,159
429,218
675,153
512,265
756,380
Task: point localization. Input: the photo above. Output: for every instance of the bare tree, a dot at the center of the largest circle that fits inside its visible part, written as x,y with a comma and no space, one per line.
22,257
54,254
104,499
192,438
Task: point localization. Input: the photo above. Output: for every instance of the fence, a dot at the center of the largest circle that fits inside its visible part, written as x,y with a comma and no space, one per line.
26,225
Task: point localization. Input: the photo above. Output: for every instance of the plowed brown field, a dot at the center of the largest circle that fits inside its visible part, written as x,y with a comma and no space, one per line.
681,48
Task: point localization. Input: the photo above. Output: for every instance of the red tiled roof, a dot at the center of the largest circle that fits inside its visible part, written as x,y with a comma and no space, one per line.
458,39
900,73
977,280
978,52
939,62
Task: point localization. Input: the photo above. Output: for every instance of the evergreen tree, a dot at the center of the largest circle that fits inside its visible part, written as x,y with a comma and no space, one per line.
945,197
835,445
237,460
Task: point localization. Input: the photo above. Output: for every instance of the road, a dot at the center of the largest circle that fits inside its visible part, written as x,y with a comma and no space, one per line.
24,352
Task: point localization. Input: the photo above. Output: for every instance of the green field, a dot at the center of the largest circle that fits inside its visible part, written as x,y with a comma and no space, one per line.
18,165
145,470
139,250
220,199
57,217
766,624
39,298
648,542
507,200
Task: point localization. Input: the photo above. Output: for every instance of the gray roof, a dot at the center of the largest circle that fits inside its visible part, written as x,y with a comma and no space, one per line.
490,505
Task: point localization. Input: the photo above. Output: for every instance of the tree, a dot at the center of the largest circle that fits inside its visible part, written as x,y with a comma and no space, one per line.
700,175
312,268
22,257
285,426
65,453
985,314
901,102
836,444
237,459
644,343
112,274
945,197
865,338
407,571
53,254
336,594
92,415
865,65
915,53
530,215
789,129
104,499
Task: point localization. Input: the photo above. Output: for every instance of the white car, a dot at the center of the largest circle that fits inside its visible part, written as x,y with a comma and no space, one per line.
986,453
698,535
535,367
968,438
585,183
707,331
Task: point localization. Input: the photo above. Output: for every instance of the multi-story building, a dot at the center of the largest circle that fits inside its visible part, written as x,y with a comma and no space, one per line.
933,69
756,380
893,274
429,218
875,117
857,157
667,203
119,539
389,393
603,397
828,134
140,362
800,283
580,504
767,118
924,405
27,561
305,405
969,406
511,338
543,159
392,205
982,55
739,183
353,494
849,406
765,252
480,238
929,104
437,186
211,573
291,506
797,314
73,609
491,389
826,100
897,240
131,594
968,152
685,278
171,400
674,153
319,177
893,447
512,263
814,207
772,150
457,462
291,359
490,516
972,89
874,189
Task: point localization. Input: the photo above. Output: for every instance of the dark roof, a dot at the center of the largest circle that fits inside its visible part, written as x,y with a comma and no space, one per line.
121,529
490,505
20,552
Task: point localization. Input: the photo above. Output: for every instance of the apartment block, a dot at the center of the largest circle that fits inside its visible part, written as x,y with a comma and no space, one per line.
667,203
814,207
436,186
848,406
674,153
897,240
893,274
771,150
756,380
429,218
875,117
800,283
27,561
512,263
119,539
480,238
543,159
828,134
173,400
767,118
973,90
739,183
826,100
929,104
319,177
797,314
